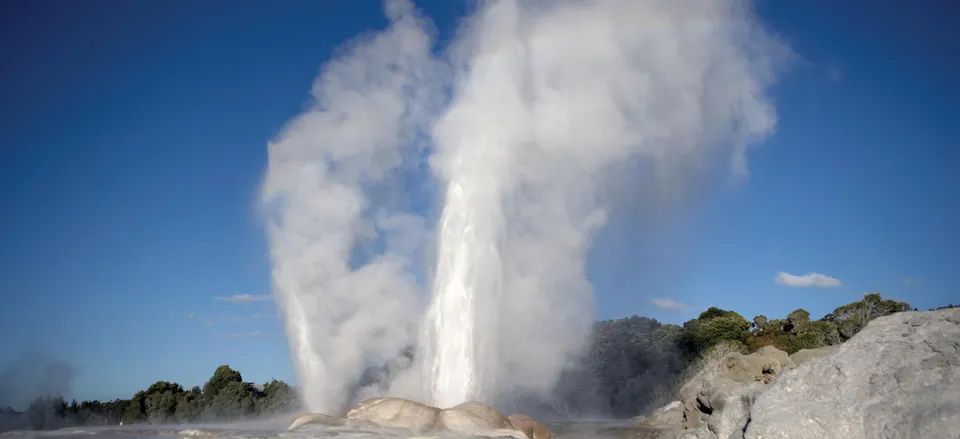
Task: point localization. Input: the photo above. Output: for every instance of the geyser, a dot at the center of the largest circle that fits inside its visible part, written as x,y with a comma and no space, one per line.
527,117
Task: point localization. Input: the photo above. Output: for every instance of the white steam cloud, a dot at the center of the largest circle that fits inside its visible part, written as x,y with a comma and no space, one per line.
547,102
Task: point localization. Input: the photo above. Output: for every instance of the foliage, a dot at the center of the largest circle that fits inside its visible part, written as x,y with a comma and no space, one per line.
853,317
713,326
760,322
162,402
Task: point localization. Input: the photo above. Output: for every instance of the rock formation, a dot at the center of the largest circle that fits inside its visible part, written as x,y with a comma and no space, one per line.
720,389
530,427
806,355
897,378
470,418
395,413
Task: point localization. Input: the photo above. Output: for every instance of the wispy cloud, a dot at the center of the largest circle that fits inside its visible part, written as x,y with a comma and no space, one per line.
912,281
244,299
814,280
191,315
262,316
670,305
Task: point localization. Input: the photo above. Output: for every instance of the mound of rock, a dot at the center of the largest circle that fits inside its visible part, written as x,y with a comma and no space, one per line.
898,378
723,389
529,427
395,413
470,418
807,355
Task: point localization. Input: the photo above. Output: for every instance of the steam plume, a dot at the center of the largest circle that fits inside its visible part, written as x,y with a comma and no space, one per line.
331,189
549,100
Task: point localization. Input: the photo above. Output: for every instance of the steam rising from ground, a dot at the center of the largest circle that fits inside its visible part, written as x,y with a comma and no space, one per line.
527,117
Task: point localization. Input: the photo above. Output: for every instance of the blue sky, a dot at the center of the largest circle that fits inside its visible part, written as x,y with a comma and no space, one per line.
134,137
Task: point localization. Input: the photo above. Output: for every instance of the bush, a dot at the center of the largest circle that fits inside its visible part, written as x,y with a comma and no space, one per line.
760,322
812,335
852,318
702,334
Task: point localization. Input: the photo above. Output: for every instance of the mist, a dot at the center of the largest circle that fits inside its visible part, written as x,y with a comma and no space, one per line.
531,125
31,375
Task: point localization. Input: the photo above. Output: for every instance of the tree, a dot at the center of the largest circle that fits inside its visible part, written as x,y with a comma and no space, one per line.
160,401
713,326
234,400
222,377
278,397
853,317
189,405
760,322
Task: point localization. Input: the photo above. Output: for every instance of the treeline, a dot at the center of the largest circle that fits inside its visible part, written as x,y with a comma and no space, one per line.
637,364
224,397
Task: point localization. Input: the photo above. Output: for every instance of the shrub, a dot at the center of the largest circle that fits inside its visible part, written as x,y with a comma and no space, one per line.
702,334
760,322
812,335
853,317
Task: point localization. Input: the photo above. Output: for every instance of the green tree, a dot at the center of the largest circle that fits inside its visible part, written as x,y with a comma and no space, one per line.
234,400
278,397
812,335
135,411
760,322
189,405
853,317
713,326
222,377
160,401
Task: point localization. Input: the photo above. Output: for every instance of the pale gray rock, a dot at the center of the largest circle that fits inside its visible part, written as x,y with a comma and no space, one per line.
529,426
808,355
898,378
733,412
395,413
471,417
724,382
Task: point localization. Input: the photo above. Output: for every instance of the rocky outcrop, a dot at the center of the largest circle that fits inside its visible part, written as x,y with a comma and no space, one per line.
529,426
807,355
720,394
395,413
897,378
470,418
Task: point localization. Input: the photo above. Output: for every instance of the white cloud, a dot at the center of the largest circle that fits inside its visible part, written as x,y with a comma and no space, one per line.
244,299
192,315
670,305
815,280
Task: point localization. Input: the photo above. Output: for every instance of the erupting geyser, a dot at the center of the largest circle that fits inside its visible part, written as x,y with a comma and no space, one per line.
527,118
